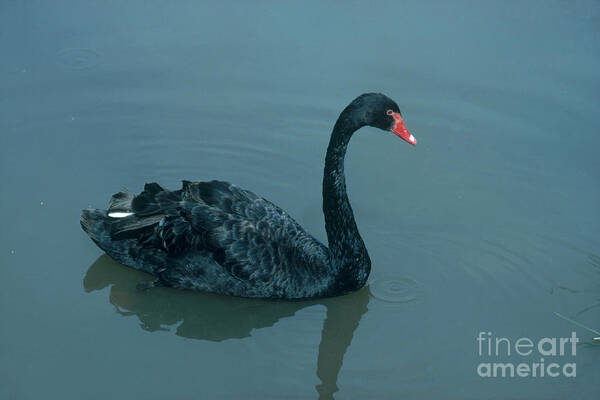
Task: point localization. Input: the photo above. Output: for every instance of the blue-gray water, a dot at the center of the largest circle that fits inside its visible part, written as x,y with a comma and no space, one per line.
491,224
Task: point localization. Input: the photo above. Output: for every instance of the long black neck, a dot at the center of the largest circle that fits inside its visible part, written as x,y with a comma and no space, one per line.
348,251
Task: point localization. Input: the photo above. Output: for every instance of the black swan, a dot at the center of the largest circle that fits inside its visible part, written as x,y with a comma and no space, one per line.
214,236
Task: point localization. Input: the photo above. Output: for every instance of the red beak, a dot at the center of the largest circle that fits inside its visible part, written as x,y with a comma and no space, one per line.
399,129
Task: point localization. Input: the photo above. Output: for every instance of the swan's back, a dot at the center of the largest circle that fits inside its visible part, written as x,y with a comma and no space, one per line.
212,236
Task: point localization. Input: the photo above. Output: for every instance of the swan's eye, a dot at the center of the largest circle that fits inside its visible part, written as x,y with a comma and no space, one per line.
389,112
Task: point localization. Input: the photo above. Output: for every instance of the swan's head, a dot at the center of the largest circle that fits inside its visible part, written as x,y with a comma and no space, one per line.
379,111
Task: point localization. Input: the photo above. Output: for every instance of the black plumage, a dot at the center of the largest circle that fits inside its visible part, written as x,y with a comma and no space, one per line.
214,236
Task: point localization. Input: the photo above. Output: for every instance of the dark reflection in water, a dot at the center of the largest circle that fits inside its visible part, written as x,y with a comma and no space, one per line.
213,317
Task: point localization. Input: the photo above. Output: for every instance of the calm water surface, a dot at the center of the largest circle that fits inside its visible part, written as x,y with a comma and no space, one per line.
491,224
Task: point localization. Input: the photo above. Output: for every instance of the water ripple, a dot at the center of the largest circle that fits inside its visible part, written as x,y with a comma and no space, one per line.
395,289
78,58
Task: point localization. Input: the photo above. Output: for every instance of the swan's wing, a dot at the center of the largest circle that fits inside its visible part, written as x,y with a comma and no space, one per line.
228,198
220,195
250,237
271,247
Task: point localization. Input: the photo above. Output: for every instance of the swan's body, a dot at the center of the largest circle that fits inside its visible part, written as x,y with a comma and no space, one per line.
214,236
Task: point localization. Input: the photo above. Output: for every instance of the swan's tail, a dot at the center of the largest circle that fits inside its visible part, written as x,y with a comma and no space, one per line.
126,231
120,221
129,250
93,222
98,224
